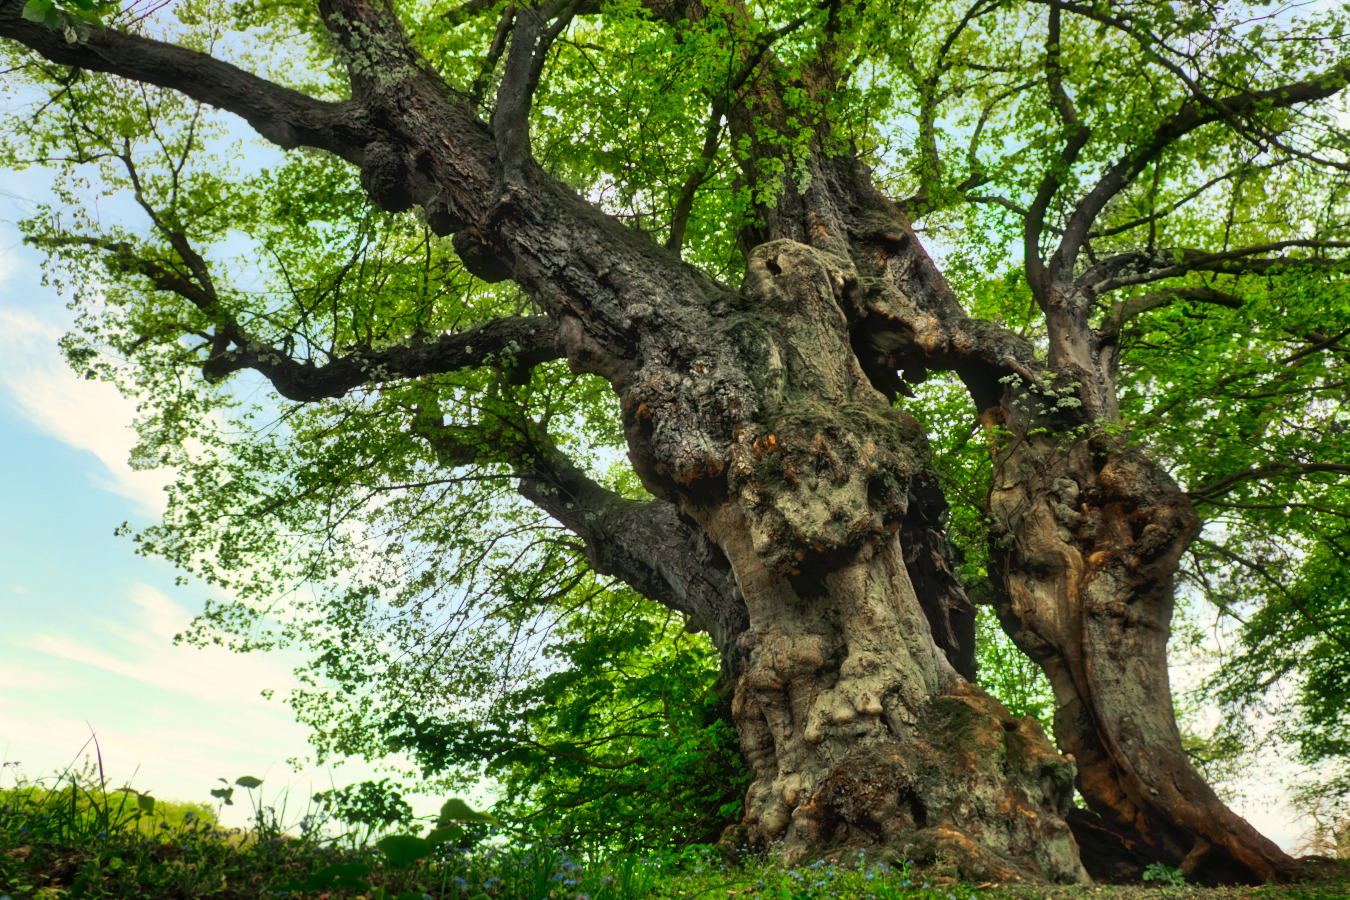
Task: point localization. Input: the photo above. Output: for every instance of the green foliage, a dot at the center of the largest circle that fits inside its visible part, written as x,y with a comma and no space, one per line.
1163,874
74,18
624,743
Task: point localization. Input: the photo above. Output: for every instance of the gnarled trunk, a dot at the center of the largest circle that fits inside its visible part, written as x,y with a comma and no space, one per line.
1085,544
861,733
859,728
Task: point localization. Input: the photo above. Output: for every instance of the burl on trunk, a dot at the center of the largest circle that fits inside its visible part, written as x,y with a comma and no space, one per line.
859,726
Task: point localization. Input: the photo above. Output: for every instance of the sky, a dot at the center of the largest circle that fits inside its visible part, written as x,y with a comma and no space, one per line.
87,626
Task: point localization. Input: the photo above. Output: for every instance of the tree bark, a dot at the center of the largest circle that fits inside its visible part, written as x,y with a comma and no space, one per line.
860,730
1084,546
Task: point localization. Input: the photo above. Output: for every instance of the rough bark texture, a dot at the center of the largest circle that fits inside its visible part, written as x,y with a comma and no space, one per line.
1086,539
858,726
795,517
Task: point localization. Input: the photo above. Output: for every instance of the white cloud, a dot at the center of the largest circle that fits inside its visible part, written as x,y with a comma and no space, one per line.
143,651
87,415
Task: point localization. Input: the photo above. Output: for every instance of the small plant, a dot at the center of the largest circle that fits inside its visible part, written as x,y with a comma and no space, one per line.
1163,874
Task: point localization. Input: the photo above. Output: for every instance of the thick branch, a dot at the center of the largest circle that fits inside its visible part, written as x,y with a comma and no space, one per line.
1223,485
506,343
1129,308
283,116
529,47
1076,137
645,544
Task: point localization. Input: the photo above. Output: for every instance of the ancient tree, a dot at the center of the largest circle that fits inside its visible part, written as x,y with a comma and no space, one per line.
709,207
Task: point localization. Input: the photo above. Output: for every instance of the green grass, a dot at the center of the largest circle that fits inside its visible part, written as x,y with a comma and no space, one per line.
73,837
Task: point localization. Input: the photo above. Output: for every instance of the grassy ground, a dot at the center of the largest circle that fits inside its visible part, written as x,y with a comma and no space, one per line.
73,838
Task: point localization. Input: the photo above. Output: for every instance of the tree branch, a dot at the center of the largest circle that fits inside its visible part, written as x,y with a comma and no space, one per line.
530,43
684,205
1125,310
283,116
1223,485
494,53
645,544
1229,262
1076,138
1188,118
513,343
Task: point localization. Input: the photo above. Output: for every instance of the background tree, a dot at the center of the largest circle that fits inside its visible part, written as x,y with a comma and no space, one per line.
593,182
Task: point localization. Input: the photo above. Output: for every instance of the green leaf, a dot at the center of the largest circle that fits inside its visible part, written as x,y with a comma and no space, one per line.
248,781
445,834
456,810
404,849
37,10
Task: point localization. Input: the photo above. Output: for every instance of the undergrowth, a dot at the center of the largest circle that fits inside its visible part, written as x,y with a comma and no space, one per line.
73,837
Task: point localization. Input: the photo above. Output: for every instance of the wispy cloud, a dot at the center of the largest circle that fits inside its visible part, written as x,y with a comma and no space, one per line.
168,718
138,645
87,415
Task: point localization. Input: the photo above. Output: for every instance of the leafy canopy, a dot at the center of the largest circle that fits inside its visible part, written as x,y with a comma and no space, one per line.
383,531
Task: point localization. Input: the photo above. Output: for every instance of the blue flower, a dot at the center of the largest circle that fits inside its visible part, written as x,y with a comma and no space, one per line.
460,883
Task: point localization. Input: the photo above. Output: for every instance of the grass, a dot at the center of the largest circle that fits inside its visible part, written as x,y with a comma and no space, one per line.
74,838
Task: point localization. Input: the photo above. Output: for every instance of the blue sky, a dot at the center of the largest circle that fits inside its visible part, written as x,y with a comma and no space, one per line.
86,626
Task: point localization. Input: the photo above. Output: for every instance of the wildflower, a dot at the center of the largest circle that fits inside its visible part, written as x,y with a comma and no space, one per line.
460,883
607,879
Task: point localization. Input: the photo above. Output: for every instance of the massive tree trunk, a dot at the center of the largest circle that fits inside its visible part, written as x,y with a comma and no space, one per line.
859,728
